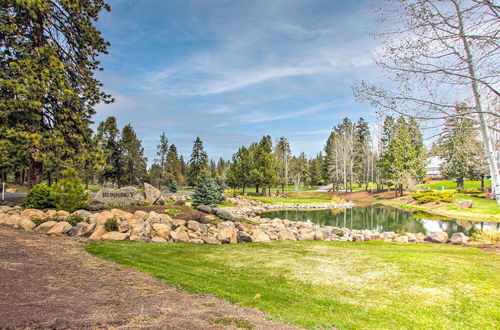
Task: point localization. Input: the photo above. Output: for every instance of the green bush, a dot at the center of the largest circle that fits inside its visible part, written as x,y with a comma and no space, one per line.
472,192
172,186
207,191
39,197
74,219
69,193
172,212
111,224
429,196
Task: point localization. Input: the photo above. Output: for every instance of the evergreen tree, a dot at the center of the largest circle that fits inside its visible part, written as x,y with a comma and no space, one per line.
198,162
174,166
108,140
239,171
385,159
283,156
134,162
362,150
264,172
206,192
162,151
47,84
460,148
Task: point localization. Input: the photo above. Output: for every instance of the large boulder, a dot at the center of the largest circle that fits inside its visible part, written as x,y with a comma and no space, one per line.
32,214
286,235
227,232
27,224
60,228
162,230
126,196
259,235
158,240
82,213
459,238
115,236
97,233
402,239
82,229
210,240
467,204
437,237
196,226
151,193
180,234
45,227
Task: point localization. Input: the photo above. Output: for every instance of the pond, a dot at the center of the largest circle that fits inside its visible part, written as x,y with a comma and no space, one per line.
381,219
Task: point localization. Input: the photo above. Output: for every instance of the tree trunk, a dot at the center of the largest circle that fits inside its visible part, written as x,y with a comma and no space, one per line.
485,131
35,172
460,183
482,183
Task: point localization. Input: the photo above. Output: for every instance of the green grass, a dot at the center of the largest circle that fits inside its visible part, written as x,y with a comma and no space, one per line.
296,198
452,185
486,208
371,285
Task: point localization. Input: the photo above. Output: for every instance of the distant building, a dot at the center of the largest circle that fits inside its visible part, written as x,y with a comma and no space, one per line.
434,167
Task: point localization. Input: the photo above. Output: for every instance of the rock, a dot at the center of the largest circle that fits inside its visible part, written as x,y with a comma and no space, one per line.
210,240
27,224
140,215
437,237
459,238
115,236
60,228
467,204
260,236
161,200
196,226
306,235
100,218
142,239
62,214
244,237
120,214
13,221
95,205
151,193
179,235
32,214
318,236
227,233
123,226
97,233
50,214
45,227
358,238
126,196
204,208
389,235
82,229
286,235
401,239
196,241
82,213
158,240
223,214
154,217
178,223
165,218
162,230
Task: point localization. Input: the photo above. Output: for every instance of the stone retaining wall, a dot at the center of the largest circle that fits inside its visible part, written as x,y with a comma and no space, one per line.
154,227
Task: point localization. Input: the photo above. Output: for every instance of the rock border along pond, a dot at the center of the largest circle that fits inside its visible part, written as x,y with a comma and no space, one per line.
239,225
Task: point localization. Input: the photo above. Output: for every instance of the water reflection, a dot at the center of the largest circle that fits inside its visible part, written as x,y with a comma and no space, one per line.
381,219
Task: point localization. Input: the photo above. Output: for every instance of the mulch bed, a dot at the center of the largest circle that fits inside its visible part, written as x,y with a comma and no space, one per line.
51,282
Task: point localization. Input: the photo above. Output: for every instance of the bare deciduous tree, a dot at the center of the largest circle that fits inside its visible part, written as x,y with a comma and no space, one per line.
438,54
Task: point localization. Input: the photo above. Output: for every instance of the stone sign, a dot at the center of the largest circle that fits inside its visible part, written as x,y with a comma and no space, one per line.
125,195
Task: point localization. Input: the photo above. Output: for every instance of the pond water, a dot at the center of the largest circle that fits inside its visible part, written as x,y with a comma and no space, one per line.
381,219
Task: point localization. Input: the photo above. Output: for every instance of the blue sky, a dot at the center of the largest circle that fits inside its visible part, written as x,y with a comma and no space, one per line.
231,71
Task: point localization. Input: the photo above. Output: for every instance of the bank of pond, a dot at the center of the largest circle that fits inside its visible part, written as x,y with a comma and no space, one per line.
382,219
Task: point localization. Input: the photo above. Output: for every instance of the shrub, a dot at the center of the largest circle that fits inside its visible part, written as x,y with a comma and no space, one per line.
172,186
69,193
472,192
198,216
180,203
111,224
428,196
172,212
38,222
74,219
207,192
487,236
39,197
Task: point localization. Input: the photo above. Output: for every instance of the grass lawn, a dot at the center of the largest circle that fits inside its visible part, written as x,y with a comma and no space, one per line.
324,284
297,197
486,208
452,185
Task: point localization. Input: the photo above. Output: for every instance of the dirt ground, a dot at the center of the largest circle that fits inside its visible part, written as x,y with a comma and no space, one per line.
51,282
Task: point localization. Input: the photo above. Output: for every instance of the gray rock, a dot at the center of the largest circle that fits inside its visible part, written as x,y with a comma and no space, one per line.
205,208
151,193
125,195
459,238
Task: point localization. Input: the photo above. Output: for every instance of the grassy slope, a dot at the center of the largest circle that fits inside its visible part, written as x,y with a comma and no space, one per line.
452,185
325,284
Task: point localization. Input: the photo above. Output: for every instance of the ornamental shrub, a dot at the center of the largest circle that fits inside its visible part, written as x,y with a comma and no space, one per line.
69,193
111,224
172,186
428,196
207,192
39,197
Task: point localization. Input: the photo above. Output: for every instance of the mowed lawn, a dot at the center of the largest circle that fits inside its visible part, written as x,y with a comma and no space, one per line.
331,284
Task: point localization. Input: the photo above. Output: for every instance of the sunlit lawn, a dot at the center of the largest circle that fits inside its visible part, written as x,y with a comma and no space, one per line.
371,285
452,185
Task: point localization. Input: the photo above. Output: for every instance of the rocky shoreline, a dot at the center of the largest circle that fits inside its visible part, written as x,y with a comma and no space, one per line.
241,225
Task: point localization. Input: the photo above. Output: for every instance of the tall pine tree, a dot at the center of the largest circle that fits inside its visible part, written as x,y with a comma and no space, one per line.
198,162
